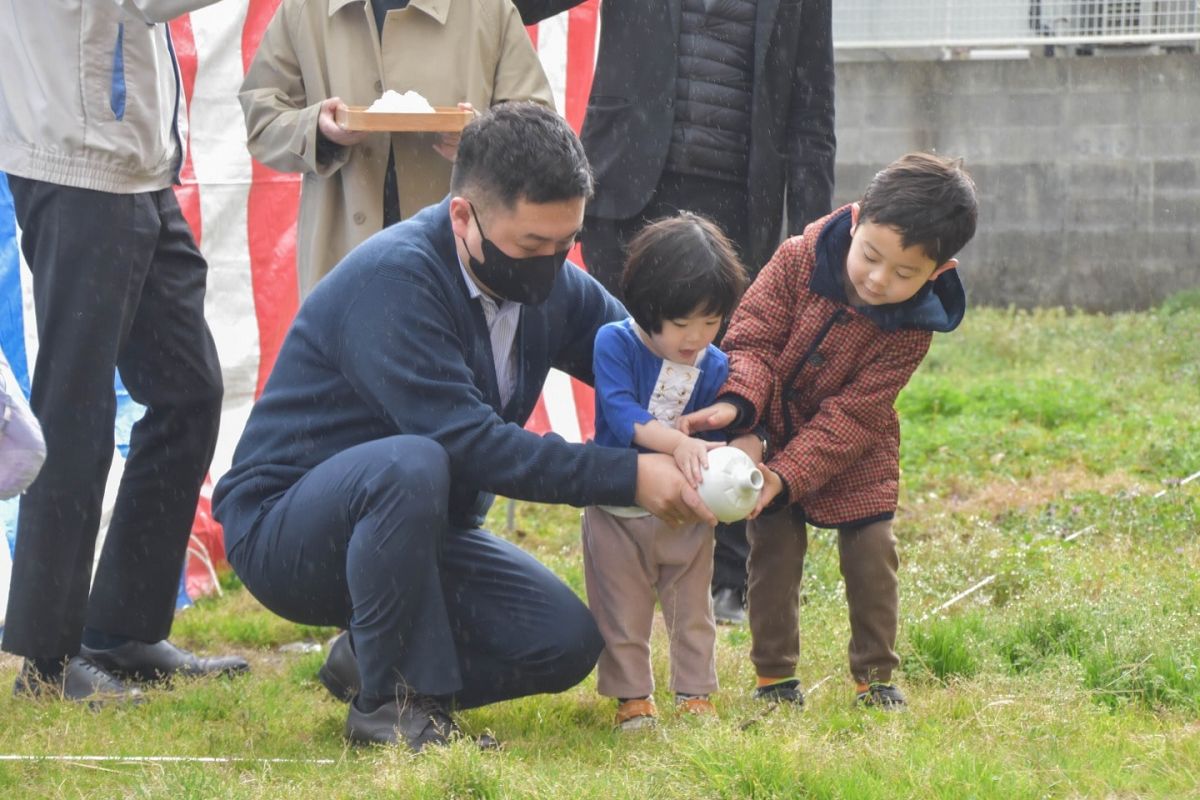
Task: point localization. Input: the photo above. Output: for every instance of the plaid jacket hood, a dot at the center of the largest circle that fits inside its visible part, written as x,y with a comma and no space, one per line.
822,376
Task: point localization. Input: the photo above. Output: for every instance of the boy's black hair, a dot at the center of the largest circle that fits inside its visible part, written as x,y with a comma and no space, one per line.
520,150
930,200
679,265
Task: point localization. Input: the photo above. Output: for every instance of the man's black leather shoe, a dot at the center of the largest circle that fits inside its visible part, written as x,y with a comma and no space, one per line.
161,661
728,608
416,721
80,680
339,673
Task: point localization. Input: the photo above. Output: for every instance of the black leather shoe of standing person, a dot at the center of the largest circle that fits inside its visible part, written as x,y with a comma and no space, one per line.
339,673
728,608
161,661
80,679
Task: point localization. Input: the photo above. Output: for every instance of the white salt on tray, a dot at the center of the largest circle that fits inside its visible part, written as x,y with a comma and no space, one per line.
393,102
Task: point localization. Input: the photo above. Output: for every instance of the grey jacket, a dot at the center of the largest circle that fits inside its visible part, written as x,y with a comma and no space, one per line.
90,95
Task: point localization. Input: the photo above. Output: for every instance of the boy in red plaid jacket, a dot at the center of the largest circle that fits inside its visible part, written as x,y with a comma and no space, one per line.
823,341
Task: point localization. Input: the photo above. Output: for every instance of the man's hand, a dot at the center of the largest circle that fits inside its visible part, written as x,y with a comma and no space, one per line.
713,418
664,492
772,486
749,444
327,124
691,456
447,143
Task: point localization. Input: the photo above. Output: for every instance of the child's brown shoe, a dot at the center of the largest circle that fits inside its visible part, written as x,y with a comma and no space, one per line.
698,705
636,714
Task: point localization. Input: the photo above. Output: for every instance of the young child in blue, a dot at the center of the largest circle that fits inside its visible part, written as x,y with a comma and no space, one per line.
681,282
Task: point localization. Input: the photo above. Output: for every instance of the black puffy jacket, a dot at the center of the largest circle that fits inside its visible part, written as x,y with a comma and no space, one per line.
713,89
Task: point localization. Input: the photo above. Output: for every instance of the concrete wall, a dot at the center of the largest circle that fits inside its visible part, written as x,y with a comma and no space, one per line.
1088,168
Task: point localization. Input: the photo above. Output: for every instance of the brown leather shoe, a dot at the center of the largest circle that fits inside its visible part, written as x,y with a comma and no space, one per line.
636,714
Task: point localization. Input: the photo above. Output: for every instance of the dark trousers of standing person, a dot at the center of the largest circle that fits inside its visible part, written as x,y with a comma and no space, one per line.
869,562
364,541
118,283
604,242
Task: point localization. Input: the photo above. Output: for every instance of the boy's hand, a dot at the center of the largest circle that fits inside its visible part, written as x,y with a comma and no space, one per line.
691,456
327,124
715,417
772,486
664,492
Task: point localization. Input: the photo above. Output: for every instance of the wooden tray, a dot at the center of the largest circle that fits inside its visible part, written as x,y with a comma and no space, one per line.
442,120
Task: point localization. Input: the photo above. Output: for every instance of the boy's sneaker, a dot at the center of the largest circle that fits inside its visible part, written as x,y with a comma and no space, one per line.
637,714
884,696
694,705
786,691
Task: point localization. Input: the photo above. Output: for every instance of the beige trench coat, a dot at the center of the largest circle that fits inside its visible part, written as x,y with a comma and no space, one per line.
450,51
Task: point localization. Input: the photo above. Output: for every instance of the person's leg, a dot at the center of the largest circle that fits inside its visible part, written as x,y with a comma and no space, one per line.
730,554
869,563
724,203
603,244
354,543
89,253
518,629
169,365
685,569
620,590
778,543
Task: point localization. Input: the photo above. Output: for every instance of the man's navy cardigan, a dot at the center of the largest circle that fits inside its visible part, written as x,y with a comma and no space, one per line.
391,343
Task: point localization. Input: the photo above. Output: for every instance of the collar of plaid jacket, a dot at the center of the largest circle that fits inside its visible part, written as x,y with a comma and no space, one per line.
939,306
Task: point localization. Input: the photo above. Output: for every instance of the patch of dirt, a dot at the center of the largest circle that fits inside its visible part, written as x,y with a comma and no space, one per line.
1023,496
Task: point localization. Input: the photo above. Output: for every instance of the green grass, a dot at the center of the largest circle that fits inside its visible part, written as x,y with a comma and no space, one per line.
1034,446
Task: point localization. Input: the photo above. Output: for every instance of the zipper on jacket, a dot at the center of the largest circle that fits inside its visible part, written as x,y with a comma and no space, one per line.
786,389
175,112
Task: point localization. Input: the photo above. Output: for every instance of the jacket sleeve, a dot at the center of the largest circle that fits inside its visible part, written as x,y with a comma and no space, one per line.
850,422
533,11
593,308
616,377
152,11
759,331
519,72
407,363
811,140
281,124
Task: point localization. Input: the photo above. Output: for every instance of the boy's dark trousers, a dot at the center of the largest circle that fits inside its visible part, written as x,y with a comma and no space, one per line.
118,283
868,558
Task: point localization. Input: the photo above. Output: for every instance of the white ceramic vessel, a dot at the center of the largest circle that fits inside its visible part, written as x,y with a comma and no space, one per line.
732,484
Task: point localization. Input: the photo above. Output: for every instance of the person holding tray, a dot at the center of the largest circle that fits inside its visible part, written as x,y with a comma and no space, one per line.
319,55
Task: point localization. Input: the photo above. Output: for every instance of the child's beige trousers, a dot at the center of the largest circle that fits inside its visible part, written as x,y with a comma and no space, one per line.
627,563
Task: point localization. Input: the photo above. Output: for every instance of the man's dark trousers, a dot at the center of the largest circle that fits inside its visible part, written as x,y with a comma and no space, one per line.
364,541
118,283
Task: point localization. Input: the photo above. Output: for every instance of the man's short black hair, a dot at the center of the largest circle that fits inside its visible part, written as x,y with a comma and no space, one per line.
520,150
680,265
930,200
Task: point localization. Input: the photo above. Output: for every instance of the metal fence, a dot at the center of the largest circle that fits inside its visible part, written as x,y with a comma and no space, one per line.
898,24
